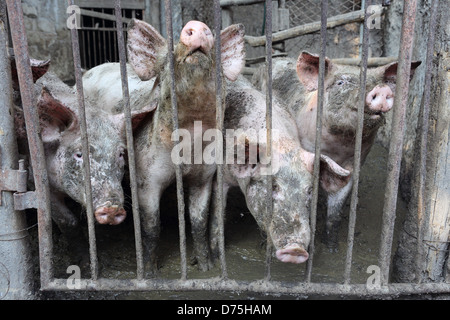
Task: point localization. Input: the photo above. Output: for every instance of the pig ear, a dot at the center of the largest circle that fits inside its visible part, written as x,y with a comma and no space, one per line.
38,69
54,117
144,46
137,116
390,72
233,51
332,176
308,70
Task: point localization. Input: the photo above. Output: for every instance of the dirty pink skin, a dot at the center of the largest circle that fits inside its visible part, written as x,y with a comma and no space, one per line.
61,136
380,99
296,82
197,36
289,226
194,68
292,253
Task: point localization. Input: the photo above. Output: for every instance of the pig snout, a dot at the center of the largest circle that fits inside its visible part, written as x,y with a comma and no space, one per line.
197,36
110,213
292,253
380,99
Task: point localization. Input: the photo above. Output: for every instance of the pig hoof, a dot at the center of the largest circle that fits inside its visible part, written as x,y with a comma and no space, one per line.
202,265
333,247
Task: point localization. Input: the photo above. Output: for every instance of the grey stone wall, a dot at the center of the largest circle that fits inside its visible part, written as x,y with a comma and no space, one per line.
48,35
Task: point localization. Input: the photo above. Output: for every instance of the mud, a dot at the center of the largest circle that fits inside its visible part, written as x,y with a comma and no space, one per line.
245,248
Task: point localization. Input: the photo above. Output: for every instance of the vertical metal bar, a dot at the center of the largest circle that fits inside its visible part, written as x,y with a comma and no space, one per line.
268,177
315,196
130,143
396,145
361,29
94,40
358,142
85,151
104,32
15,254
37,156
219,126
423,123
83,41
178,172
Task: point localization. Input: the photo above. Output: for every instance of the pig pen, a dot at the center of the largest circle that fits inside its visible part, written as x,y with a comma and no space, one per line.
115,272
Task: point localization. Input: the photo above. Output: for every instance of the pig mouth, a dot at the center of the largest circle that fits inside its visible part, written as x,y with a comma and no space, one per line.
292,253
194,55
110,214
373,114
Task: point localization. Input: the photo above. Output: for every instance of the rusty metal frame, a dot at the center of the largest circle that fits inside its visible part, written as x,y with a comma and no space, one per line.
222,283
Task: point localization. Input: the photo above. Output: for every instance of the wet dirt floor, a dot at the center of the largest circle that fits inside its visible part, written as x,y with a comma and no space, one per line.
245,249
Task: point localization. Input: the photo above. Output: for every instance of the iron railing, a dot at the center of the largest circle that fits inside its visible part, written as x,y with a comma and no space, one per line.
222,283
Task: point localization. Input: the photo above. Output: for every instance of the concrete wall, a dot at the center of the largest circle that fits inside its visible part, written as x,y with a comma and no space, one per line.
48,36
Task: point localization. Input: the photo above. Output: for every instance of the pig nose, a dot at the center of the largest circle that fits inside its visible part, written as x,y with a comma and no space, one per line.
196,35
109,213
293,253
380,99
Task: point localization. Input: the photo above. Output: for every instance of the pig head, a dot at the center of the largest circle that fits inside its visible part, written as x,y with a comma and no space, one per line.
61,135
341,104
291,172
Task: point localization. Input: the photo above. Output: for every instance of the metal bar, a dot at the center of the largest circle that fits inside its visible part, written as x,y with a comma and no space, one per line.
103,33
315,195
259,286
396,145
85,151
130,143
102,15
11,222
355,16
358,143
268,178
423,123
229,3
37,155
178,173
219,126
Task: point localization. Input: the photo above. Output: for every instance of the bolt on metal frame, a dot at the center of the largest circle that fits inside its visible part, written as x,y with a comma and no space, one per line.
222,283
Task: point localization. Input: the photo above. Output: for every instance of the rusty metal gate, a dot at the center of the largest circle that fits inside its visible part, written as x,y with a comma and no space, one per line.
223,282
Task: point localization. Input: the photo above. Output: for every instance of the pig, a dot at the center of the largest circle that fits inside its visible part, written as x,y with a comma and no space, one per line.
292,168
296,82
61,137
103,84
195,93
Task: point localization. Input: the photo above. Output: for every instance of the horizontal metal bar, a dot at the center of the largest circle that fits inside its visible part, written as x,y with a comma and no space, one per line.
355,16
130,4
101,15
229,3
258,286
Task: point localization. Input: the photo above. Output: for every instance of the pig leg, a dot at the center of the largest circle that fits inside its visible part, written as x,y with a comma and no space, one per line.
335,206
151,186
69,225
199,200
214,219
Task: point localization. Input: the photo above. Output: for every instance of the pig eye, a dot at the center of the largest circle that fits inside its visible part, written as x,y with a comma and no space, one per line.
78,156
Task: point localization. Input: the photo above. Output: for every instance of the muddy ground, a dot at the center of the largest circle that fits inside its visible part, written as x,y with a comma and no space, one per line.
245,249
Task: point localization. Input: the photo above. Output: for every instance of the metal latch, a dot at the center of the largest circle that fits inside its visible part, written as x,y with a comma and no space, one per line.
16,180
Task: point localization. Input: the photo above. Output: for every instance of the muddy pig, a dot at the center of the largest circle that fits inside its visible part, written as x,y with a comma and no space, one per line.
292,168
61,136
296,82
195,93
